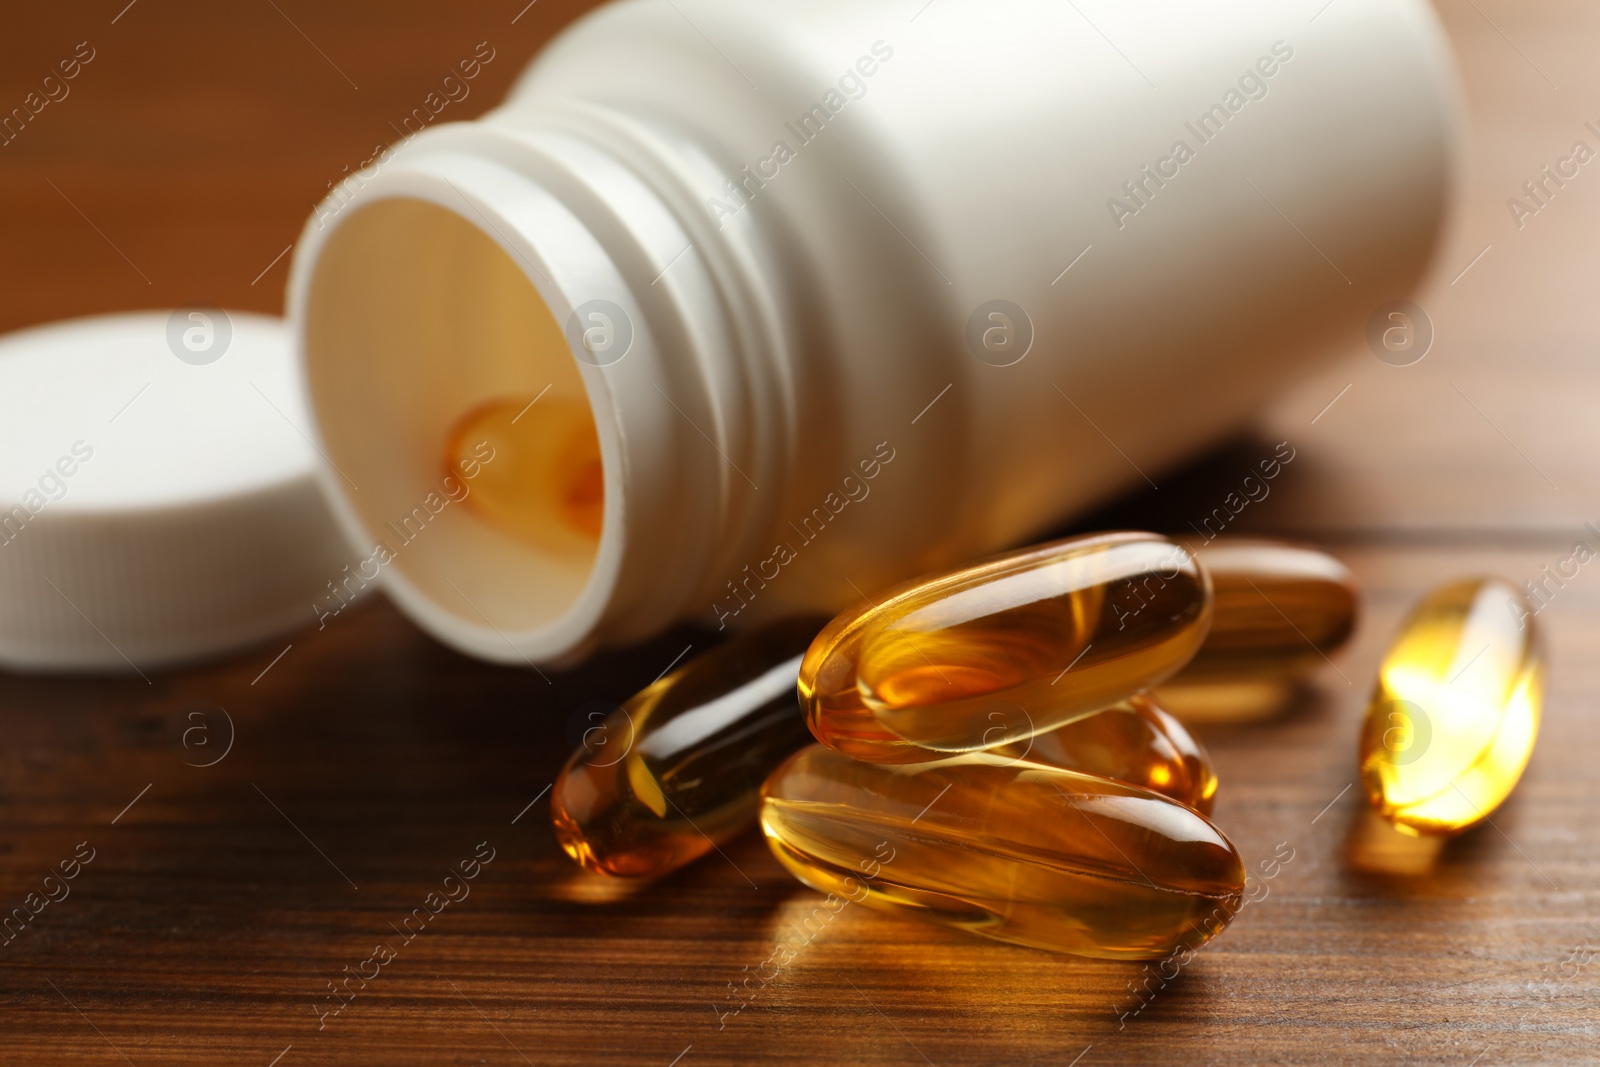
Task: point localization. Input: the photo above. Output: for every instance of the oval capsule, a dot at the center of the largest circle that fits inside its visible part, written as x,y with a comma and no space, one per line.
677,770
534,470
1134,741
1278,610
611,804
1010,849
1007,648
1455,714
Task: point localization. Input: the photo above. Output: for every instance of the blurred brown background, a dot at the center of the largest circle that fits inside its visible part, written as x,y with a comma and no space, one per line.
185,160
195,143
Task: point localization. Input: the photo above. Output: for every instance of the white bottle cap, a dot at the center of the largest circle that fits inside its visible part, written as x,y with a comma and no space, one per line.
158,495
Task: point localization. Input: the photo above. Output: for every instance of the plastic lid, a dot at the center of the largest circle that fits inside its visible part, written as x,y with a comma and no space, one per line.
158,492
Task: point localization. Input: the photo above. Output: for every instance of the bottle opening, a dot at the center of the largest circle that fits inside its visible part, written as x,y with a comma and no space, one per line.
455,415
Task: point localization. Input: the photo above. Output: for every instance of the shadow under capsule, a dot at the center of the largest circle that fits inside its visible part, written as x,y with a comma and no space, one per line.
970,980
1395,857
1374,847
578,886
742,864
1231,703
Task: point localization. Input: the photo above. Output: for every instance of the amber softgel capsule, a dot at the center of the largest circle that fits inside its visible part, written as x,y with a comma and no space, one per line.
1455,714
545,483
1134,741
1277,610
1007,648
1007,848
680,766
677,770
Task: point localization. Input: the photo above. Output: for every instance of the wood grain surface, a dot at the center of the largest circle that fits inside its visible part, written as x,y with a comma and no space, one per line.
368,761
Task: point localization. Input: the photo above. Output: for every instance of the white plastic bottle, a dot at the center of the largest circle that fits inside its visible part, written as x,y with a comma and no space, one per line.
852,289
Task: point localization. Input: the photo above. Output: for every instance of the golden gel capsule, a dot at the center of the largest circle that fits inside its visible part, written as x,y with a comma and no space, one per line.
1278,610
1014,850
677,770
1010,647
1132,741
544,483
1456,710
611,804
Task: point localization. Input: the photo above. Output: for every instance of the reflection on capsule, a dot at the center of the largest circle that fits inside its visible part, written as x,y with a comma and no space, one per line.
1454,716
1010,647
1011,849
677,770
1278,611
1133,741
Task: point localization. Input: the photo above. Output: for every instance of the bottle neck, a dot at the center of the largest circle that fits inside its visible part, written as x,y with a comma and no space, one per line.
558,257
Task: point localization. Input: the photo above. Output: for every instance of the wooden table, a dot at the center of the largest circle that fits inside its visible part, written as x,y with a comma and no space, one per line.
222,900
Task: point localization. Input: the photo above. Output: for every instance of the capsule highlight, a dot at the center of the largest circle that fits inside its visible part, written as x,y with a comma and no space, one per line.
1134,741
677,770
1009,849
1455,714
1013,646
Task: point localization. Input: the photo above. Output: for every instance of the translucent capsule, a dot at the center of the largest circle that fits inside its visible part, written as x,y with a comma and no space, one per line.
677,770
1011,849
1004,649
680,766
1278,610
1134,741
544,482
1454,716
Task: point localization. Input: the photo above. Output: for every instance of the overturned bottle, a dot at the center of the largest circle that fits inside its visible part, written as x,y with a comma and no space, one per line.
736,340
1006,848
677,770
1010,647
1455,714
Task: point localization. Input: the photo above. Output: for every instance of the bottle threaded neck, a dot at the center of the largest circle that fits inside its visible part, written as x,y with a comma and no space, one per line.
540,394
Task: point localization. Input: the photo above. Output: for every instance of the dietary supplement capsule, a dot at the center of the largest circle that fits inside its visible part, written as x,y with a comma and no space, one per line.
722,721
1454,716
1278,610
1004,649
1010,849
545,483
677,770
1133,741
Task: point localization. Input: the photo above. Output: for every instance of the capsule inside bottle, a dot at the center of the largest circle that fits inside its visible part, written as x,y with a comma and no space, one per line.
545,483
1011,647
1133,741
677,770
1010,849
1455,713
